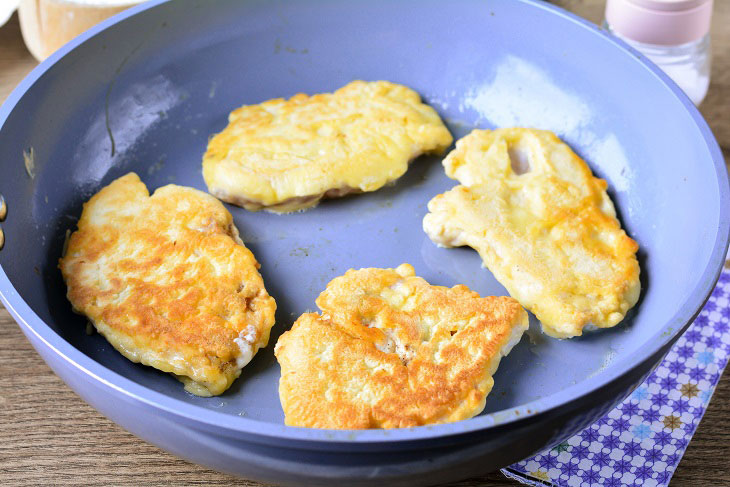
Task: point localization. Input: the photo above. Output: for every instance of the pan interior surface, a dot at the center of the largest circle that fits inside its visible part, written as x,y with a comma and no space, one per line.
145,95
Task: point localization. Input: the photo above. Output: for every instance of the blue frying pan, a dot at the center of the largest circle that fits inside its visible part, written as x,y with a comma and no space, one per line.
143,91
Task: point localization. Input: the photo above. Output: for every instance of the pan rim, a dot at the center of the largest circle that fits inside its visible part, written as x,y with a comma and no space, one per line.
203,418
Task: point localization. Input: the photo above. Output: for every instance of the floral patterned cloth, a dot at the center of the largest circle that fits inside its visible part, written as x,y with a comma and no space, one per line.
642,440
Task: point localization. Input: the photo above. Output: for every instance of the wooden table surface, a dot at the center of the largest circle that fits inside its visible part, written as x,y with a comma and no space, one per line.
49,436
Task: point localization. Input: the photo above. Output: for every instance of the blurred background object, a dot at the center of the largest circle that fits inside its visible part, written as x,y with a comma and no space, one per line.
49,24
7,7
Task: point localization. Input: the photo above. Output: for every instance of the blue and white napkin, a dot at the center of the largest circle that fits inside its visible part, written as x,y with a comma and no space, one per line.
641,442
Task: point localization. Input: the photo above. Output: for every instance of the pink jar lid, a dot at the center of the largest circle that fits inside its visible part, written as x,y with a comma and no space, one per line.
662,22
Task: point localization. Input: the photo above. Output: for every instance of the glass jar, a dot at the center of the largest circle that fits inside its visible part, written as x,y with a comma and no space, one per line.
673,34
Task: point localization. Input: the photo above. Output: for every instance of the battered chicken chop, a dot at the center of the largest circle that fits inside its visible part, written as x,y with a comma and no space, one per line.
168,282
543,224
391,351
286,155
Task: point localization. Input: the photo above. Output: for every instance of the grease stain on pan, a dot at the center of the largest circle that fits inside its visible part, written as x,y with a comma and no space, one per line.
300,252
126,120
108,95
278,46
522,93
608,358
157,166
29,162
291,50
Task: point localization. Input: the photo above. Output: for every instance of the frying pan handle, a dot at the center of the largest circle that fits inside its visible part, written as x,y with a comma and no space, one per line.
3,214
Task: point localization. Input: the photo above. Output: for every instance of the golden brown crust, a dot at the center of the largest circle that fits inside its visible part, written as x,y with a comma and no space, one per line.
549,235
167,281
285,155
392,351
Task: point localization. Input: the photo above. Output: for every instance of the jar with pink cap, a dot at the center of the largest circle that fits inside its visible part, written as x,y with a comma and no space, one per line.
674,34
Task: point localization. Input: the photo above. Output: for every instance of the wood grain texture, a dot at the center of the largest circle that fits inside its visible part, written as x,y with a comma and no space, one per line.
49,436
